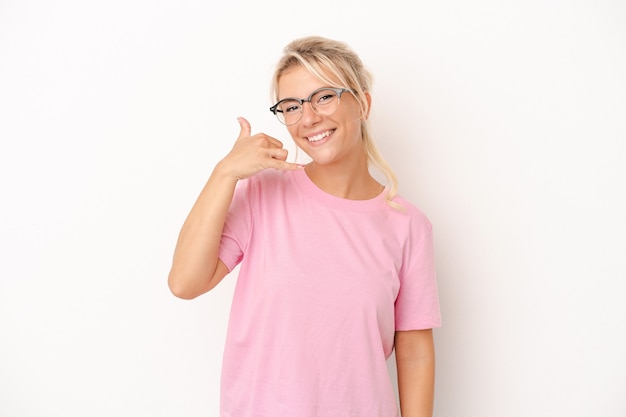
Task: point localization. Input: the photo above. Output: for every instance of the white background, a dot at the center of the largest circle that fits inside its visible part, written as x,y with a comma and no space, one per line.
505,122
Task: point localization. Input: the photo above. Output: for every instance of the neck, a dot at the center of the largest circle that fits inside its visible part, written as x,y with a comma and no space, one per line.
350,181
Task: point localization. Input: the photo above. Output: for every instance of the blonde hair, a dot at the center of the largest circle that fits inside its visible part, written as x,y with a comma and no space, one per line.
322,56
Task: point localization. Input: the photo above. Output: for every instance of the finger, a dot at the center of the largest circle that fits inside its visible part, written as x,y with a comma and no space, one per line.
286,166
279,153
245,128
269,142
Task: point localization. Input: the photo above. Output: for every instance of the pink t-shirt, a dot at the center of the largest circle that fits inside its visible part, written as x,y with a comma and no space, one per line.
324,284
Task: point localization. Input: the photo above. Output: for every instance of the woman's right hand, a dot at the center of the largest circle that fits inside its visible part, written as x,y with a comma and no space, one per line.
252,154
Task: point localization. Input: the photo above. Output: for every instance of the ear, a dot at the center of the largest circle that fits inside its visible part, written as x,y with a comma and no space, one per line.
368,97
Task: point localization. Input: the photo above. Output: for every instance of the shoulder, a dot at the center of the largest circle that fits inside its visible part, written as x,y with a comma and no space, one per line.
267,184
268,178
409,220
410,211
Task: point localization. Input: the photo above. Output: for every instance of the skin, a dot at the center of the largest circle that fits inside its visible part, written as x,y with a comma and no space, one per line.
340,168
415,364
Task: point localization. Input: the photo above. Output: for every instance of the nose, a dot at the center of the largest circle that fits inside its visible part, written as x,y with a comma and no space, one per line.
309,117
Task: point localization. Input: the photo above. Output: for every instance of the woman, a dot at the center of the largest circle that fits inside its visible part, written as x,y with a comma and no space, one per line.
336,269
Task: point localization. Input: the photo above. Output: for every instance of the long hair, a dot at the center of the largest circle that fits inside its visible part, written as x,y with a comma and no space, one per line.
322,56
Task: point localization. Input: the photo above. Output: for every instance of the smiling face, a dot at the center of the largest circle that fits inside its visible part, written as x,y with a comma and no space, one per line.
333,139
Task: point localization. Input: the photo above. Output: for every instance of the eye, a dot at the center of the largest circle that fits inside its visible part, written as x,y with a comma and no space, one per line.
290,106
325,97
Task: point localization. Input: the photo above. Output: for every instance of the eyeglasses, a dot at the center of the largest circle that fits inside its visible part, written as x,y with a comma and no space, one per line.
324,102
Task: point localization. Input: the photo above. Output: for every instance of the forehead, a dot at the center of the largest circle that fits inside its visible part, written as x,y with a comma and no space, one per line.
299,82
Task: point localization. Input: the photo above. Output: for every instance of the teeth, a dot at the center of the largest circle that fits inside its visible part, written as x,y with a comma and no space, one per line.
319,137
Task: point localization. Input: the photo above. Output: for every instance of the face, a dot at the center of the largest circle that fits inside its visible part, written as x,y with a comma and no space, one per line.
333,139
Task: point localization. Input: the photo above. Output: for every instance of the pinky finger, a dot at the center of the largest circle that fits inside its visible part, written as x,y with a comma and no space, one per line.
287,166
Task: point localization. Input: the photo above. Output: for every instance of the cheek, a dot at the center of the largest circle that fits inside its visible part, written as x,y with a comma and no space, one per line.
293,132
354,114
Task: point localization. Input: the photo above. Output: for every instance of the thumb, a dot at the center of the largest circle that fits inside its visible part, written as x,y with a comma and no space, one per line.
245,128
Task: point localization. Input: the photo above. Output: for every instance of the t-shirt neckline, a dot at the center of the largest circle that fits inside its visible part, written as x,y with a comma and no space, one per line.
309,188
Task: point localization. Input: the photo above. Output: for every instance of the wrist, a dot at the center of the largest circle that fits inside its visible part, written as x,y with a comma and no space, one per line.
223,172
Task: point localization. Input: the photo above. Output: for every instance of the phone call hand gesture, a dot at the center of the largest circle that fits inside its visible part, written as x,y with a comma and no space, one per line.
252,154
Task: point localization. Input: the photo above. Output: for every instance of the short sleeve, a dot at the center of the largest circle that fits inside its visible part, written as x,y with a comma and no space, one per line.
237,227
417,303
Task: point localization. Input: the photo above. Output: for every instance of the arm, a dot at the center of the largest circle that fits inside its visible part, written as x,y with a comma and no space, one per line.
415,362
196,267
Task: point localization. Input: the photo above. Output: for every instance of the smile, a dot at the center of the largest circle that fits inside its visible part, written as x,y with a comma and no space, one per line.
320,136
